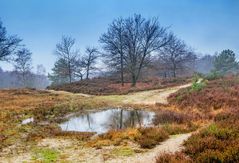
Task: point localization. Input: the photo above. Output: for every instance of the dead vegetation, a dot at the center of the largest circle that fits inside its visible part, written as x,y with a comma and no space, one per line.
105,86
219,141
217,94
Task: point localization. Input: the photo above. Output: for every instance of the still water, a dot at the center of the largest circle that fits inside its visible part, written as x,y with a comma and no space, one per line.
102,121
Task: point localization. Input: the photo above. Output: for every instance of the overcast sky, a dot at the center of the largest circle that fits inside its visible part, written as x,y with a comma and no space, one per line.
206,25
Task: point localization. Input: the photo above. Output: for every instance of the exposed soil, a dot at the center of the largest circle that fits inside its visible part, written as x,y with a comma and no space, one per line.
75,151
154,96
71,151
106,86
172,145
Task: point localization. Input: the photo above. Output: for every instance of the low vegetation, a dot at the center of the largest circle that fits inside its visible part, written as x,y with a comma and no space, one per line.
145,137
216,94
105,86
20,104
219,141
45,155
173,158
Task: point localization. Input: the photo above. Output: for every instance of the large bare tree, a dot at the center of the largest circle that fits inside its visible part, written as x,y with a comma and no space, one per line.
142,38
177,55
131,43
113,44
64,50
8,44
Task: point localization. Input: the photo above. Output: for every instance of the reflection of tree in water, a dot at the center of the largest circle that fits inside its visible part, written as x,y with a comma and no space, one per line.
89,119
125,118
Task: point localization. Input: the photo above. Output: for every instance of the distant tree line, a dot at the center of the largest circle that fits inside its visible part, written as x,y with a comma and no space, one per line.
12,51
132,49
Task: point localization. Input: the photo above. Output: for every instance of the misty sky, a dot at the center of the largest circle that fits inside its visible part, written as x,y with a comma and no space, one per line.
206,25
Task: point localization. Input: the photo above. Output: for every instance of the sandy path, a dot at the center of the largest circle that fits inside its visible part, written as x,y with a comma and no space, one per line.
69,93
153,96
172,145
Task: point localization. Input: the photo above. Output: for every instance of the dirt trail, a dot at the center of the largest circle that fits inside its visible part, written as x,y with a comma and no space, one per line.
69,93
172,145
149,97
153,96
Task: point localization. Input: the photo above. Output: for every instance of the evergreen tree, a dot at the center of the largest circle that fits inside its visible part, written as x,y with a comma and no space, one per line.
226,62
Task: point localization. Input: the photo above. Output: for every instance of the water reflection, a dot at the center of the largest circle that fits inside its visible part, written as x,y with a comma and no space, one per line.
103,121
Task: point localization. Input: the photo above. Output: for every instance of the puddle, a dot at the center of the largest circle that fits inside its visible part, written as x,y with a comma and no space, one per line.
26,121
102,121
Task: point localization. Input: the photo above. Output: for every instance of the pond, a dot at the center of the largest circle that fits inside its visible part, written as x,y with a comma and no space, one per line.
105,120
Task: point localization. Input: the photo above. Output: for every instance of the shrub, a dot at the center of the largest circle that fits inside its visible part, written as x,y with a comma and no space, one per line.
197,86
115,137
173,129
145,137
231,154
123,151
213,75
219,133
150,137
46,155
167,116
210,156
178,157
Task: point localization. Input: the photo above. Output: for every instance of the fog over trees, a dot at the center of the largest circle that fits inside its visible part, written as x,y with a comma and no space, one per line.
15,53
132,48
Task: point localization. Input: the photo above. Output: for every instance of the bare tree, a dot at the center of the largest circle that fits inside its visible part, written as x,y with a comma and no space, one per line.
22,65
113,44
89,60
8,44
79,68
142,38
177,55
64,51
131,42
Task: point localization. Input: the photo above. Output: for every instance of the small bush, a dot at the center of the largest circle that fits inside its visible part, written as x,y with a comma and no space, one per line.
173,129
197,86
210,156
173,158
231,154
46,155
123,151
213,75
150,137
219,133
167,116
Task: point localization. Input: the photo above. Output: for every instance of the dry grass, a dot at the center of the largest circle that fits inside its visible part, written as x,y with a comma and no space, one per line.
145,137
218,142
19,104
217,94
106,86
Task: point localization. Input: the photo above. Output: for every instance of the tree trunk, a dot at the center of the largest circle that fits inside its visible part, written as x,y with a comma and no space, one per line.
174,70
69,69
121,119
122,70
87,72
134,80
